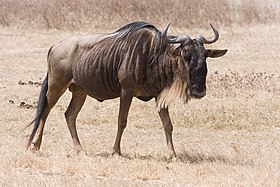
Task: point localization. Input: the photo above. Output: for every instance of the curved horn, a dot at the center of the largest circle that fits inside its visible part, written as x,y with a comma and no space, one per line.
210,41
164,32
174,39
183,39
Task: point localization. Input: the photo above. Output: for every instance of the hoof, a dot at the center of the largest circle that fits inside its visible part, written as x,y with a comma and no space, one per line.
82,153
116,152
173,158
78,149
34,147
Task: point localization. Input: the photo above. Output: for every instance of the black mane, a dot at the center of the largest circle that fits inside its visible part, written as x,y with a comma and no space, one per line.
133,27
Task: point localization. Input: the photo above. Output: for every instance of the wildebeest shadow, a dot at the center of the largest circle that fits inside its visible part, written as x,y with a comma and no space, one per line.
186,158
134,156
197,158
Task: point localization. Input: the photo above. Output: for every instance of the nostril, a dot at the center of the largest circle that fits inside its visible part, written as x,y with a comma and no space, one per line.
194,86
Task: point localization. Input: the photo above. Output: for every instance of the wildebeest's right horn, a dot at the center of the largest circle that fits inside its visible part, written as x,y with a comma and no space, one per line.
183,39
174,39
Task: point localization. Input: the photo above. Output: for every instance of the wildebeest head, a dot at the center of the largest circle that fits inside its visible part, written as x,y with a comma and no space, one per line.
193,53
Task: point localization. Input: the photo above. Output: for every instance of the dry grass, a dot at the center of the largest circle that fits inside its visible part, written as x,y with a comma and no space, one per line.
229,138
94,14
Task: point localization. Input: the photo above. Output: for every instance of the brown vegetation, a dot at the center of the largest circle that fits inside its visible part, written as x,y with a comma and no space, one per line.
96,14
229,138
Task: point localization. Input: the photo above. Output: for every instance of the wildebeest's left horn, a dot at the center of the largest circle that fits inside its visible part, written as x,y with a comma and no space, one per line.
183,39
174,39
164,32
210,41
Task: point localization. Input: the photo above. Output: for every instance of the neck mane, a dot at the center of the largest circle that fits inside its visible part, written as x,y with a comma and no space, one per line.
178,89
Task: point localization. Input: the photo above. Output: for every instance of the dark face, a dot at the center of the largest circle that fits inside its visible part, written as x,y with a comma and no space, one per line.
194,56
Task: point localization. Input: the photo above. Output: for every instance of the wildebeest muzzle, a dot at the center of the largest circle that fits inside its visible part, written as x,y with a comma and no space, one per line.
197,91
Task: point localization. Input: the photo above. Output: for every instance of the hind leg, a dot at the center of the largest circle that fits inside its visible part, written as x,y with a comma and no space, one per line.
55,90
77,101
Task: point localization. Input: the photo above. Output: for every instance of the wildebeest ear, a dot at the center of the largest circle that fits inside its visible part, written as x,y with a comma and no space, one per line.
173,53
214,53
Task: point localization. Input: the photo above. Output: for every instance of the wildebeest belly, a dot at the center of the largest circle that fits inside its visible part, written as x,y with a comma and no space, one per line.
97,80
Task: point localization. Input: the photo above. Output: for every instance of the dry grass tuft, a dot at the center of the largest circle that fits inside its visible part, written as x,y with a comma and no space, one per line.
234,80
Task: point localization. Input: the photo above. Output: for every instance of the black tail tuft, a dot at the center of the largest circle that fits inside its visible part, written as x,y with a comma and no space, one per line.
42,103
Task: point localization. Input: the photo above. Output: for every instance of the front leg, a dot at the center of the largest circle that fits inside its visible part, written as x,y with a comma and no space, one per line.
168,128
125,102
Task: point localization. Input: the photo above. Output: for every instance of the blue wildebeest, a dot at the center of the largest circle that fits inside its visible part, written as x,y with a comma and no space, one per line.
135,61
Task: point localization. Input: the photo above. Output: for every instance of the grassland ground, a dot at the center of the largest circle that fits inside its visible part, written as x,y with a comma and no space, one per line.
229,138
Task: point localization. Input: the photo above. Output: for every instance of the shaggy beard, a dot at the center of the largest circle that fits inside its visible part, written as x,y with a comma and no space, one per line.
177,90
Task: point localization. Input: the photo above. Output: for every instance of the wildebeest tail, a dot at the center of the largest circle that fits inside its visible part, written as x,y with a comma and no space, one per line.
42,103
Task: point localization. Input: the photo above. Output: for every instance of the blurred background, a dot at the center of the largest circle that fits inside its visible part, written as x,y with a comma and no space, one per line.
110,14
